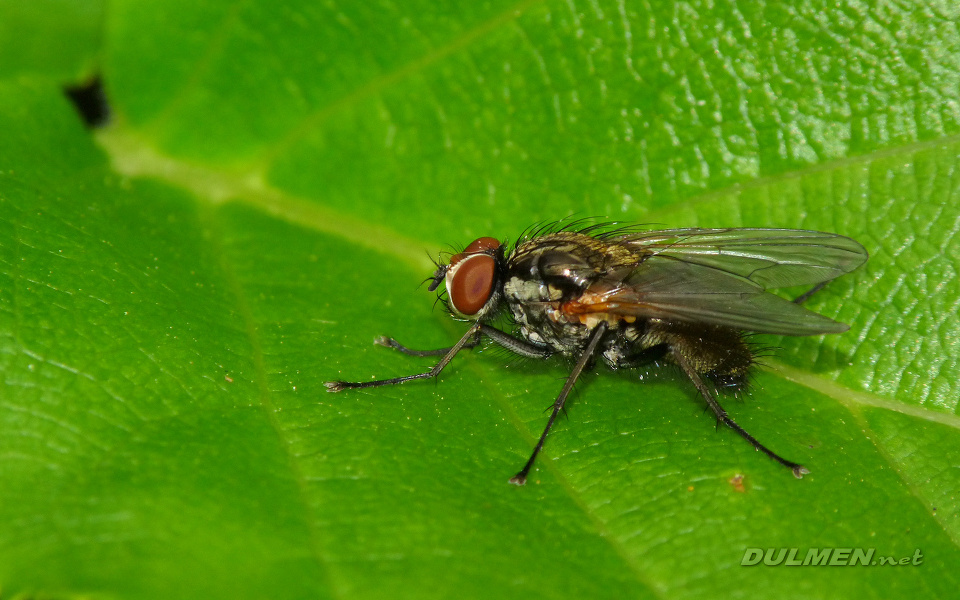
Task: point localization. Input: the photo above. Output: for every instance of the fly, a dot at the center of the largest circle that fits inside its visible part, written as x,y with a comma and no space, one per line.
632,297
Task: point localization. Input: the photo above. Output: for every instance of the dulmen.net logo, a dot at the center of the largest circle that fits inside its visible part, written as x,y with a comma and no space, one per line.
825,557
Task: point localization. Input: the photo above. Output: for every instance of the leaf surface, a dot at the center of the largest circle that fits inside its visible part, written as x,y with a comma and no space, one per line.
176,288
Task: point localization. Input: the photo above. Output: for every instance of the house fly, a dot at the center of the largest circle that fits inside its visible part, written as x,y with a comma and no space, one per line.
632,297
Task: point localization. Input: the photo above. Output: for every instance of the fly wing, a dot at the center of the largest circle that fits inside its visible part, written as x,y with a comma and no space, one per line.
770,258
682,291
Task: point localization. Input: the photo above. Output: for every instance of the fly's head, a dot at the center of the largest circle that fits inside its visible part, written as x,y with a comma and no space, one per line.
473,279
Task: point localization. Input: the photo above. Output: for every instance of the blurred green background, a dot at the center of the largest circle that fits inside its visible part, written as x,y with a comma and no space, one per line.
176,286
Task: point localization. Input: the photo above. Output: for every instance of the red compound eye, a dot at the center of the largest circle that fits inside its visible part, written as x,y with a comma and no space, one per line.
482,244
471,284
476,246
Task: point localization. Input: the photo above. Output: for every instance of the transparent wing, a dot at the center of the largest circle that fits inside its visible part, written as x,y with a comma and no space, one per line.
696,293
770,258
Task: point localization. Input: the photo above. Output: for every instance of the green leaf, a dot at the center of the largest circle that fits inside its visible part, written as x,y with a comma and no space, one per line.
56,39
176,288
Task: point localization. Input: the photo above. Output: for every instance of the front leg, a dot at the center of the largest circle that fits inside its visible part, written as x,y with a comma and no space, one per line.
389,342
469,340
511,343
473,332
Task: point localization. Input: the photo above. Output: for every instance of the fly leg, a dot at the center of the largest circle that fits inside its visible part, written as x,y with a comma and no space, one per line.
389,342
469,340
798,470
521,477
515,345
806,295
472,334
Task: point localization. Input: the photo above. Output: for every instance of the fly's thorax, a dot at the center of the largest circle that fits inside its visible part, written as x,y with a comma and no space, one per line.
535,305
546,279
525,290
541,312
538,325
543,270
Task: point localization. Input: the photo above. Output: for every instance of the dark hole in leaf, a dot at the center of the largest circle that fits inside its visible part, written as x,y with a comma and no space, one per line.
90,101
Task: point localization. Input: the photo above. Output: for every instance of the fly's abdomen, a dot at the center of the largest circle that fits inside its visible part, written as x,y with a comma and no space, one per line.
720,353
